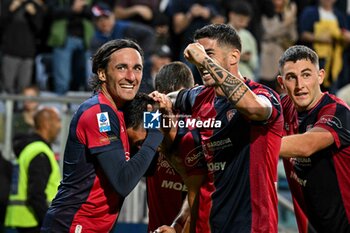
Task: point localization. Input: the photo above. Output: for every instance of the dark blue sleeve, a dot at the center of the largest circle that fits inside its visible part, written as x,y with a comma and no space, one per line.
124,175
186,98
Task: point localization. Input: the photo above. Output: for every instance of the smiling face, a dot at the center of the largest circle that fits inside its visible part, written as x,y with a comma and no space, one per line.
123,76
220,54
302,80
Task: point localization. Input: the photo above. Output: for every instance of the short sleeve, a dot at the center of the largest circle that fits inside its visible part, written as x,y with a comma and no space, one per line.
99,129
336,119
274,100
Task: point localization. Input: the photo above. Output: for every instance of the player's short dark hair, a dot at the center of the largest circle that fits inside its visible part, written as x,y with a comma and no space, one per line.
225,34
134,109
173,76
296,53
102,57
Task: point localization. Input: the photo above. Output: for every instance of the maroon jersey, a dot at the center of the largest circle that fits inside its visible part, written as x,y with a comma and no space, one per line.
165,194
239,194
166,189
320,183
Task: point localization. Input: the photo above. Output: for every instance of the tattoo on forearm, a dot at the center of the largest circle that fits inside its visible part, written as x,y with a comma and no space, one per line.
233,87
237,93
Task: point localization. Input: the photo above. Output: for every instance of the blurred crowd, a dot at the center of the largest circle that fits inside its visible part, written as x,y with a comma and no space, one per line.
48,43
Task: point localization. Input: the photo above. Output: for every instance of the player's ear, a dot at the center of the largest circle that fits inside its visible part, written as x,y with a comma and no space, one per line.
101,75
321,74
280,81
235,56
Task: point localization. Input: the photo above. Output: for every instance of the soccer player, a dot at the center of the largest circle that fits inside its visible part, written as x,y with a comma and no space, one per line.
178,169
184,150
317,151
98,172
180,166
239,194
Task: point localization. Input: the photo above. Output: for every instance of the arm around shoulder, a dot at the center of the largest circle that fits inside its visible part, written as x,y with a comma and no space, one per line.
306,144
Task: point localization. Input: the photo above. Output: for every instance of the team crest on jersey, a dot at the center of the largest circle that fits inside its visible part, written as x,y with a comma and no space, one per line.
162,163
103,122
230,114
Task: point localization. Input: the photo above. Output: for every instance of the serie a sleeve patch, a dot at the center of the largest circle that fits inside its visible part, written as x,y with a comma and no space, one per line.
104,124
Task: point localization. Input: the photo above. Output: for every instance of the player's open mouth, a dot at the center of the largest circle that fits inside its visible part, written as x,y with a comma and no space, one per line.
203,70
301,94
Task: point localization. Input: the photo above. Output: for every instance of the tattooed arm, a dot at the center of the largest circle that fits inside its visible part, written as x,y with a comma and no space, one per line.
233,87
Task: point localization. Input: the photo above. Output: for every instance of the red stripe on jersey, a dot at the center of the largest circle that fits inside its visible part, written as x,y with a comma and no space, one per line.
165,194
297,195
205,205
105,204
342,168
264,151
204,109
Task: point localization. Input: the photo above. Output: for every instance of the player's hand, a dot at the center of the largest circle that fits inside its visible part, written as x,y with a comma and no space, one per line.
165,107
195,53
163,100
165,229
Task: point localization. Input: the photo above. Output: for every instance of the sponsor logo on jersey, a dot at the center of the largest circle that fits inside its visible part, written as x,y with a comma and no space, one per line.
331,121
174,185
218,166
218,144
301,162
300,181
193,157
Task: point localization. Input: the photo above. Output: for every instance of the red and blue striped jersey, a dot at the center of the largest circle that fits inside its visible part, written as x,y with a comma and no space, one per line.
320,184
239,194
86,201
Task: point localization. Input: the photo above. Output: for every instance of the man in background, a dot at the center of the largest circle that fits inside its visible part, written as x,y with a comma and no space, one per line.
37,175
